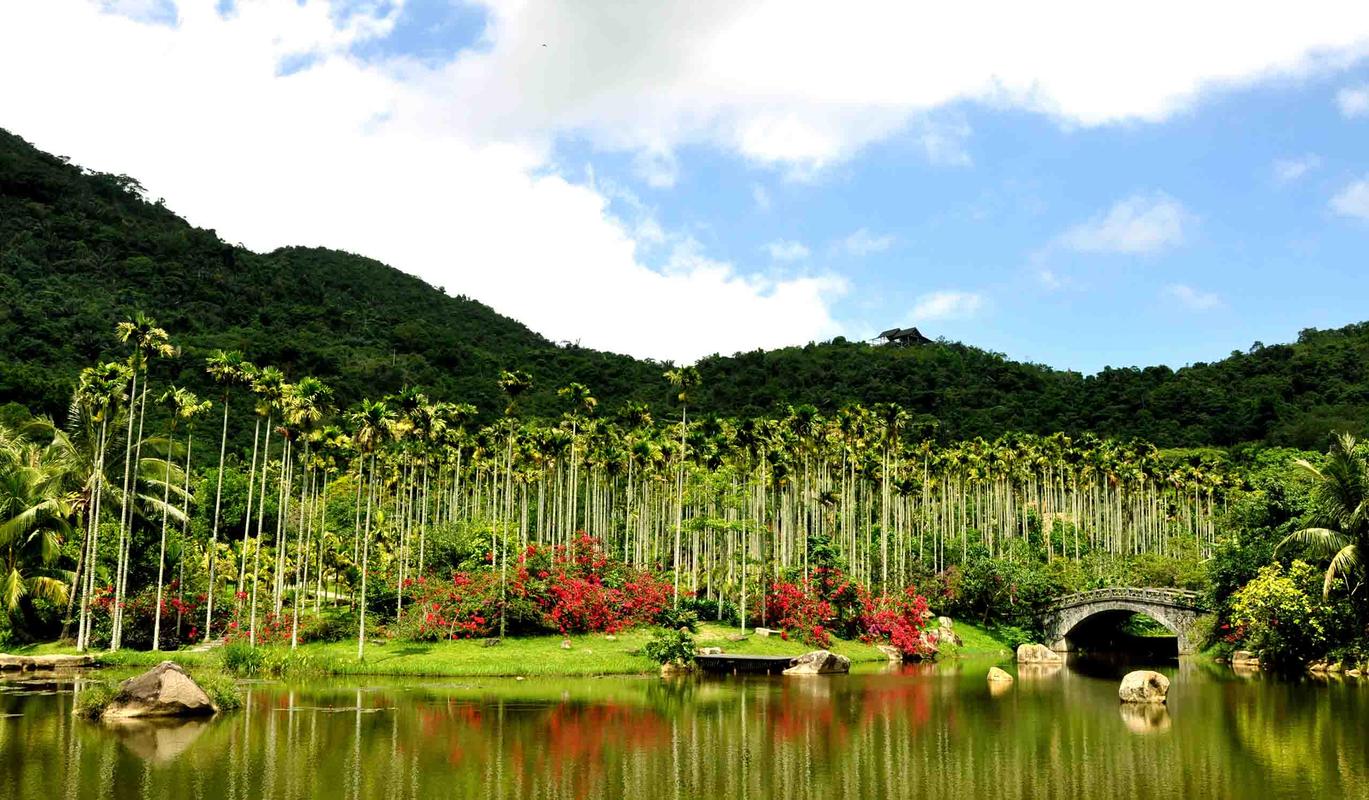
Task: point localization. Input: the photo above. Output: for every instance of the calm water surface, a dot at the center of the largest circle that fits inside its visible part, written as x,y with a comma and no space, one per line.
935,732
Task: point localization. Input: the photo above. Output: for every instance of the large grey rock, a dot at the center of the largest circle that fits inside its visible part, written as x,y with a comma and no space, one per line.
819,662
163,691
1037,654
1244,658
945,632
1143,686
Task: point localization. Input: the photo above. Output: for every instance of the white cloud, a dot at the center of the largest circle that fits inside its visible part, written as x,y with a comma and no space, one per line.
446,168
384,160
946,304
863,243
1191,298
1141,223
1290,169
782,250
1353,200
1049,279
743,76
946,143
1353,101
760,197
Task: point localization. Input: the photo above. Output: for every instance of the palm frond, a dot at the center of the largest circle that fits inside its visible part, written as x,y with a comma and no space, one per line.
12,590
1321,542
50,589
1344,563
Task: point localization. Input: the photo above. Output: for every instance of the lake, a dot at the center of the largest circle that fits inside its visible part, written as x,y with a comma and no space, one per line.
935,731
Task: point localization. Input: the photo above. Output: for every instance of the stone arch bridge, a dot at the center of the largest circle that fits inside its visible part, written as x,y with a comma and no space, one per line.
1176,609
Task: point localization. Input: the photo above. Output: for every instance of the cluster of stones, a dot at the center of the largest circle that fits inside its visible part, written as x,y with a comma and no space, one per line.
1246,660
9,663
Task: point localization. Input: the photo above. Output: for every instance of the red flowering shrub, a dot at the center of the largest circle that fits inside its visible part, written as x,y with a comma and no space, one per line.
828,602
897,619
576,589
795,607
181,617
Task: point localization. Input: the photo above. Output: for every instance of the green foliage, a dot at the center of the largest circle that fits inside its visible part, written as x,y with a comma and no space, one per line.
222,690
241,658
333,625
670,646
679,618
1012,636
1277,617
93,698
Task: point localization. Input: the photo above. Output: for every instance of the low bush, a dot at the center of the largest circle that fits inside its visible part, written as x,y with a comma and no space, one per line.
241,658
670,646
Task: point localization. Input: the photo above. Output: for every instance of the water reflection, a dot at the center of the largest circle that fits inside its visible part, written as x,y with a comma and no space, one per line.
920,731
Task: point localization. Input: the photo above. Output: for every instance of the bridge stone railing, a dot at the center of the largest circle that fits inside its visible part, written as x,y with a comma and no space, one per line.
1177,609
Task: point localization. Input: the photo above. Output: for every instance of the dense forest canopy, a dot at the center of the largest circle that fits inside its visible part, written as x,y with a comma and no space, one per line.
80,251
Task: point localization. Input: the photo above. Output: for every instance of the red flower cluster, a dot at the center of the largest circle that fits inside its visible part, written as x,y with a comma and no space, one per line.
828,601
580,589
570,589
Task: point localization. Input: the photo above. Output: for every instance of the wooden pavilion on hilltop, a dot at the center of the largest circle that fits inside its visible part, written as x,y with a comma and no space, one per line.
904,337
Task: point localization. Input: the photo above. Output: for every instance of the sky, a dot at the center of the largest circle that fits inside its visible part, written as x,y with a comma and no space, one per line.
1076,184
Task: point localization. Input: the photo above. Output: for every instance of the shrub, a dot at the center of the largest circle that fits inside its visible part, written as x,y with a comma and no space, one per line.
222,690
670,646
140,617
329,626
568,589
897,619
241,658
1275,615
93,698
678,617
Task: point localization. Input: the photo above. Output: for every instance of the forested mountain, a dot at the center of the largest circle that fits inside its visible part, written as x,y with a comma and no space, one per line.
80,251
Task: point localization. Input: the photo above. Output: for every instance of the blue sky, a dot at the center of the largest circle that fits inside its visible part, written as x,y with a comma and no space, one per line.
1133,186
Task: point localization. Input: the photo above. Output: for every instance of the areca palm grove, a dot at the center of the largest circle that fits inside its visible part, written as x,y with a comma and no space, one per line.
331,502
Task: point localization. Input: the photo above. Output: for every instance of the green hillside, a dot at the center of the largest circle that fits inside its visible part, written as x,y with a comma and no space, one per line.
80,251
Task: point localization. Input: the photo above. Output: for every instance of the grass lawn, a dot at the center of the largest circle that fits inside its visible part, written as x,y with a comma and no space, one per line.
589,654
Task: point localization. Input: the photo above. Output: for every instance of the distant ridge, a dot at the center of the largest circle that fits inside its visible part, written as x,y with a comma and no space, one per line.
80,251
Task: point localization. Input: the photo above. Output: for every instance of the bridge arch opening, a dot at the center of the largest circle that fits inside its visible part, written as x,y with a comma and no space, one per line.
1123,631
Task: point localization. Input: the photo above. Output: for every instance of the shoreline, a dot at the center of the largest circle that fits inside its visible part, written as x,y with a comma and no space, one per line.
589,655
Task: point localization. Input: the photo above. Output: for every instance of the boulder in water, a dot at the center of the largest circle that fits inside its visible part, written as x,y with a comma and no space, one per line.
1143,686
163,691
997,675
1037,654
819,662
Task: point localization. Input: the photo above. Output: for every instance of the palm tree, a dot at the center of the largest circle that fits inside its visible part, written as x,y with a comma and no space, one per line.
35,509
184,406
229,369
581,400
515,384
373,424
99,395
682,379
149,341
1340,507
